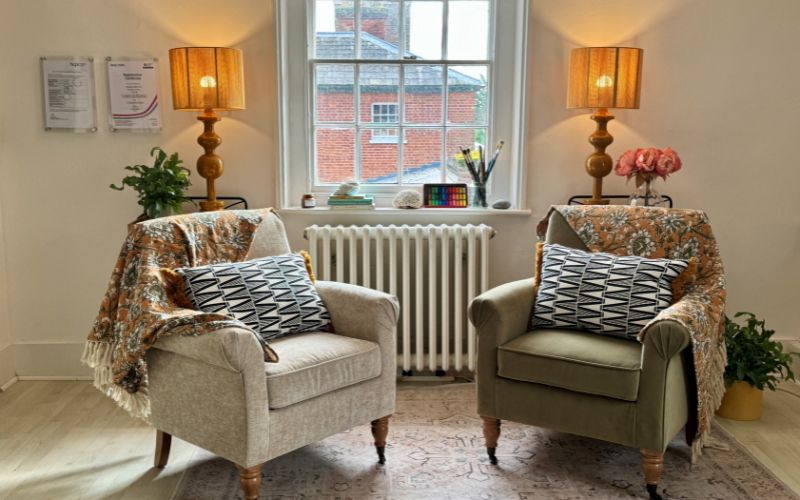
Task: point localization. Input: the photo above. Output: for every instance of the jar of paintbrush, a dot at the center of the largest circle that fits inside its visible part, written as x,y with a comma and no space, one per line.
479,170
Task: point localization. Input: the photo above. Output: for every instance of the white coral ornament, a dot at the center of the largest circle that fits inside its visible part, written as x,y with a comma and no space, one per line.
407,198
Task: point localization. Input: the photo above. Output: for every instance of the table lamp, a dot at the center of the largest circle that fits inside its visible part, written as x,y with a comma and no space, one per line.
207,79
601,78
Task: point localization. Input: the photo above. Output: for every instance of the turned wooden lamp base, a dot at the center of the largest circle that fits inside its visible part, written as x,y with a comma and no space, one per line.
211,205
210,166
599,163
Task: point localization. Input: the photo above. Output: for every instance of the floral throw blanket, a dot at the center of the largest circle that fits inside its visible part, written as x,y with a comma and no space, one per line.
137,310
675,234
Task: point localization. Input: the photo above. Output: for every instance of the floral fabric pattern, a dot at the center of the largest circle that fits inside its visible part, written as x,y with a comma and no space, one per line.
137,309
673,234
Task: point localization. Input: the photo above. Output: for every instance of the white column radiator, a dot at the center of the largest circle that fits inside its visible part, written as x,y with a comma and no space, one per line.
435,271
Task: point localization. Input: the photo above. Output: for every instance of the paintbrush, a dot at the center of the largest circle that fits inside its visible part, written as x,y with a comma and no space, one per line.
468,162
493,161
481,164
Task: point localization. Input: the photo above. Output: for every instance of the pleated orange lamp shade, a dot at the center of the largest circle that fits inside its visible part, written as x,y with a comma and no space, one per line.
605,77
206,78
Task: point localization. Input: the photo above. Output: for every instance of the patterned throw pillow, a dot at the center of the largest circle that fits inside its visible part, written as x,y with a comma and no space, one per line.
604,293
273,295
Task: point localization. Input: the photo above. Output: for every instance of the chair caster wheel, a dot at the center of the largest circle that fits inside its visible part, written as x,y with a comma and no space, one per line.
492,457
652,489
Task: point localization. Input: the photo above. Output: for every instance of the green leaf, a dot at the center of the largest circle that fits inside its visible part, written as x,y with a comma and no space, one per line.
161,186
752,354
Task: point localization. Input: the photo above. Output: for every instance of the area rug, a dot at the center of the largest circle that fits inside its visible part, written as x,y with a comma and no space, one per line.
436,451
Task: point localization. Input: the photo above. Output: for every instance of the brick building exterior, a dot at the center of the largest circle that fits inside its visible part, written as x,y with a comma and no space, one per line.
379,104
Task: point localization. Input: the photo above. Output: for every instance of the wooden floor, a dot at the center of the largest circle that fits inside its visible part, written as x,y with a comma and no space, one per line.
775,439
65,440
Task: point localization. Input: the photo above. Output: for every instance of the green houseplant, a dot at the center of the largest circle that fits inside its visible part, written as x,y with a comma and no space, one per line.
162,187
755,362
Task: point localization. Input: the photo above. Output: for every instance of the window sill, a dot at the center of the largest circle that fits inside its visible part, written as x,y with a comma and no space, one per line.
389,211
385,140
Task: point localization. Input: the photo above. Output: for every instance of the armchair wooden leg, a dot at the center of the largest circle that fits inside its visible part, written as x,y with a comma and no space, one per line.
250,479
491,433
163,444
653,466
380,429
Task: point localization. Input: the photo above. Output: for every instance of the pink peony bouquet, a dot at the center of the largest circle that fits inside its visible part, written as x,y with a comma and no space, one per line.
646,163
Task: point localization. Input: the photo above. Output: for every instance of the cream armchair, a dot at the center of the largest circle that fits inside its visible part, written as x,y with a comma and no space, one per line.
216,391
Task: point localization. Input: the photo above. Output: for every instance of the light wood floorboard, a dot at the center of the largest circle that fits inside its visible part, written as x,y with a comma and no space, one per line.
775,439
65,440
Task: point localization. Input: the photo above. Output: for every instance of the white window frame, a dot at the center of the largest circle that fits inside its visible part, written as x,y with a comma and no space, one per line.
505,120
382,135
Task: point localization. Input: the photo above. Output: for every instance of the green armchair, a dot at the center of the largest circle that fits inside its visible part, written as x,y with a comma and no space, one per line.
622,391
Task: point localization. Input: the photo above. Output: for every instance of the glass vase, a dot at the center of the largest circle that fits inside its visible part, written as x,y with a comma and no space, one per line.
647,196
479,195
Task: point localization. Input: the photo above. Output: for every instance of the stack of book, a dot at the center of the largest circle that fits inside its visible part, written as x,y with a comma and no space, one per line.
356,201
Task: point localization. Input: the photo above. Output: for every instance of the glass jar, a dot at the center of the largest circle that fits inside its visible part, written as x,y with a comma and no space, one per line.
647,196
308,201
479,195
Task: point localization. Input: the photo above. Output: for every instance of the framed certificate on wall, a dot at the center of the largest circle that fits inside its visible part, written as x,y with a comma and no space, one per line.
133,95
69,97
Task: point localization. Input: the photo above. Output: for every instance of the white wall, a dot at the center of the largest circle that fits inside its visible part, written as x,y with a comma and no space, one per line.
717,88
64,226
7,361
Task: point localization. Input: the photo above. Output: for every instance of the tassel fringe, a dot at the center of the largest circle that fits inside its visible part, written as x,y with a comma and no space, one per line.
97,355
716,391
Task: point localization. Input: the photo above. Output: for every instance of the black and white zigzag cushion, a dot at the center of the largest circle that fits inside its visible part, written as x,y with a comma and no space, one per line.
602,293
273,295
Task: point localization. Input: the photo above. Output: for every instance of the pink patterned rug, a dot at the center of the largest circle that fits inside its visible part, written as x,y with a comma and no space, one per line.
436,451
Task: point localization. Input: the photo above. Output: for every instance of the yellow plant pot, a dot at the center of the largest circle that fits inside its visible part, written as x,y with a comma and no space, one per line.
742,401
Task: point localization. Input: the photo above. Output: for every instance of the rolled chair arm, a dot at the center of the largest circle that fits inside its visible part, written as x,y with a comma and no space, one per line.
662,405
503,312
666,338
234,349
499,315
360,312
211,390
371,315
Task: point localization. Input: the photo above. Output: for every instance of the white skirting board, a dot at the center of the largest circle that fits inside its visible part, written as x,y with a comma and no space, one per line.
793,345
8,384
50,361
8,367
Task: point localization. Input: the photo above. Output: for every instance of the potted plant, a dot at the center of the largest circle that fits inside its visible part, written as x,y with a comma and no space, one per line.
755,361
161,188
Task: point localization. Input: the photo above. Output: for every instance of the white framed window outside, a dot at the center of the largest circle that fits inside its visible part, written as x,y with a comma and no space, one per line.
358,75
384,113
388,113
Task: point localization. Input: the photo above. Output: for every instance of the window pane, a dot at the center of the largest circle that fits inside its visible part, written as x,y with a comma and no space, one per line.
423,94
471,43
334,29
379,156
423,29
467,94
335,155
380,29
422,155
458,139
334,93
378,83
